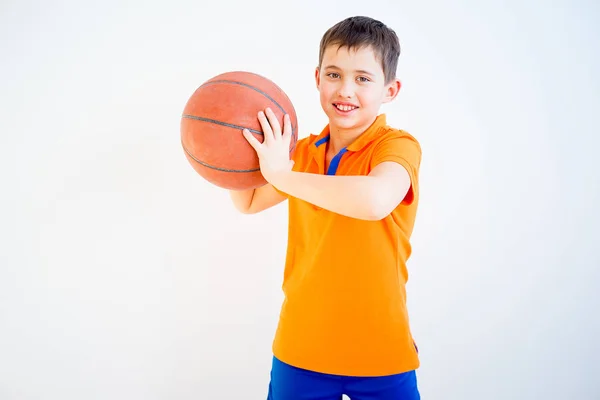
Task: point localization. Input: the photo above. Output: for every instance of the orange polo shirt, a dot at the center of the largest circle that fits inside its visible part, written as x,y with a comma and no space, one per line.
344,310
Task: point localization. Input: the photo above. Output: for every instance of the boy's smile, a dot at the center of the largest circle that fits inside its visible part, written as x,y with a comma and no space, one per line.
344,108
352,88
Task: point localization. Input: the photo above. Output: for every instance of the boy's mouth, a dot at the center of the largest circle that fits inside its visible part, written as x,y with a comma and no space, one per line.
344,107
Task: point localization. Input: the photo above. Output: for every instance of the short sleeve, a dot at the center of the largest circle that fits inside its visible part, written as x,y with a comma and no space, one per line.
403,149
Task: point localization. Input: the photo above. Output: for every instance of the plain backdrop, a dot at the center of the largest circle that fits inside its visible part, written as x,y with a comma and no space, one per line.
124,275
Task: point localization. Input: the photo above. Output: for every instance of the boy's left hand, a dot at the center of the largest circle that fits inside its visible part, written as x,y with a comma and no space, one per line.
274,151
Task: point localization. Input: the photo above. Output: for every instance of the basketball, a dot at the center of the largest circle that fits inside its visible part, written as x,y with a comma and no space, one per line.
212,123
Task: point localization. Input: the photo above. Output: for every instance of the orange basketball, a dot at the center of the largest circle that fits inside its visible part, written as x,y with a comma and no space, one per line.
212,123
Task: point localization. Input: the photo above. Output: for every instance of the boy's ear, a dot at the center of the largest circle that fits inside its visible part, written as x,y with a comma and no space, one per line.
392,90
317,77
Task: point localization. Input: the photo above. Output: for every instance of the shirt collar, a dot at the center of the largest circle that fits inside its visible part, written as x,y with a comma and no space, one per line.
360,142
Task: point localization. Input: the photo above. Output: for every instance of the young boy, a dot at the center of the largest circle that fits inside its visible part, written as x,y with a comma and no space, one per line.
353,195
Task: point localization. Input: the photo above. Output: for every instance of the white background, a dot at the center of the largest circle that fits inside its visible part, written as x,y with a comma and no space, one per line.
124,275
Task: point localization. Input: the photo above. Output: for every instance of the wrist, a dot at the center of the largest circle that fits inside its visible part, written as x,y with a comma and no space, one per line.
278,179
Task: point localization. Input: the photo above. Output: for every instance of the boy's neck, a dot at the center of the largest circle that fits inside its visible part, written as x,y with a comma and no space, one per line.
340,138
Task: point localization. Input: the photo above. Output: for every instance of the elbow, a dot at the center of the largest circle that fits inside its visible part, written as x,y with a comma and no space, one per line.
377,210
377,215
381,203
244,210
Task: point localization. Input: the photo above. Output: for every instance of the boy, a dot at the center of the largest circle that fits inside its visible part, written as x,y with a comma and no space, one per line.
353,194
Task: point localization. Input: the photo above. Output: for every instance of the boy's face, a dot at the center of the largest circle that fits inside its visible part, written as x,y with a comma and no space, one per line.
352,87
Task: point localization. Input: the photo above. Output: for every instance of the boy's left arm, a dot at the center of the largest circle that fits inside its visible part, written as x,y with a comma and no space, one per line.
370,197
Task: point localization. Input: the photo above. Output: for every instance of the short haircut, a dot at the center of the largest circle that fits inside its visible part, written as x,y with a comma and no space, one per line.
357,32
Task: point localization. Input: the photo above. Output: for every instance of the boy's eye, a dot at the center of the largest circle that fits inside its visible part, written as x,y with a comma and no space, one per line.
335,75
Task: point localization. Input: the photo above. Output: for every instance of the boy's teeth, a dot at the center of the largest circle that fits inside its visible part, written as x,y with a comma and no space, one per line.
344,107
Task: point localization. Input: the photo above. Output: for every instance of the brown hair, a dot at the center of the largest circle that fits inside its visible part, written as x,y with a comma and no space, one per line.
357,32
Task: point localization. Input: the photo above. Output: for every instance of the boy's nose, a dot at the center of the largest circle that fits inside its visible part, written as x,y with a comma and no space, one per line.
346,90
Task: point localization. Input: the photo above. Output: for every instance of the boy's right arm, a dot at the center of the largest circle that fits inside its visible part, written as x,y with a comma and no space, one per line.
256,200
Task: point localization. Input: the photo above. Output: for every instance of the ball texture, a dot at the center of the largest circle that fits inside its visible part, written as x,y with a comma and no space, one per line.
212,124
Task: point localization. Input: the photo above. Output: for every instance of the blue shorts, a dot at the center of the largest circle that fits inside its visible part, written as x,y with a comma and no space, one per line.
292,383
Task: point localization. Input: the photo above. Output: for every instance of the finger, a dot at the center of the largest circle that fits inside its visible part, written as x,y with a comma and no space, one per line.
287,127
256,145
266,127
275,126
